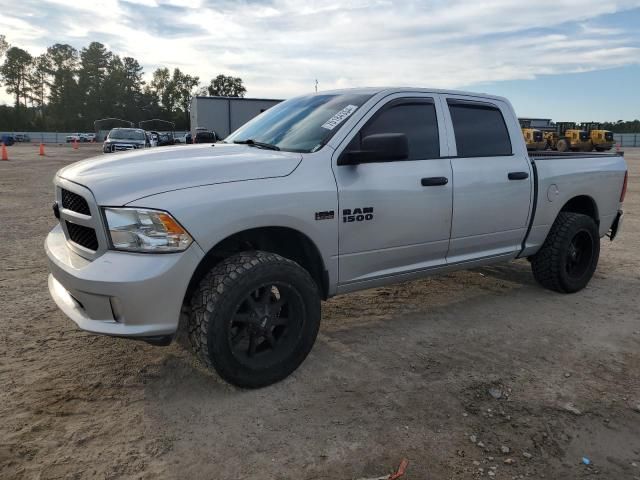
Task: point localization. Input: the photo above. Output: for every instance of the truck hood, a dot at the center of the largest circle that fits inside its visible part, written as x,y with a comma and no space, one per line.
120,178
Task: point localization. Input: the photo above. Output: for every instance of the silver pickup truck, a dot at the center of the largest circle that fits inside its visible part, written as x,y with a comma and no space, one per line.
237,242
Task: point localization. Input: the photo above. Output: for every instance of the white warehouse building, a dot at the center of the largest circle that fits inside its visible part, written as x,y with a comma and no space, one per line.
224,115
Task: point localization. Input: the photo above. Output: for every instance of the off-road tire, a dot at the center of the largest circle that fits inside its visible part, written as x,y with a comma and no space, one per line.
214,303
549,263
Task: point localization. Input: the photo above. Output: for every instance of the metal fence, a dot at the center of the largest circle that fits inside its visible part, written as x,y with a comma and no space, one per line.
622,139
627,139
61,137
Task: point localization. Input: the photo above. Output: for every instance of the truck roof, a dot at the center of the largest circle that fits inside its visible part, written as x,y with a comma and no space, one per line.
389,90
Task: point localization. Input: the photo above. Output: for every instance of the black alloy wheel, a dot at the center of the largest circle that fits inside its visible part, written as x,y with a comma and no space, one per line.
579,255
267,325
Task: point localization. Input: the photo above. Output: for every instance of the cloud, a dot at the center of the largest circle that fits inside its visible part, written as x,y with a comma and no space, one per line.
280,47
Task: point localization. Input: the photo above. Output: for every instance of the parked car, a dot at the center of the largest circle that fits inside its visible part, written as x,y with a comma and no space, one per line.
120,139
165,138
8,140
87,137
74,137
186,138
322,194
154,138
205,136
22,137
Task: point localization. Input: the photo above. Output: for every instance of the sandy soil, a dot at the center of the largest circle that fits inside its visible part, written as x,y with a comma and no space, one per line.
445,372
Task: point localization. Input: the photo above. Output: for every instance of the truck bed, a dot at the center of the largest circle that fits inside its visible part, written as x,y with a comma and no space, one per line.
595,177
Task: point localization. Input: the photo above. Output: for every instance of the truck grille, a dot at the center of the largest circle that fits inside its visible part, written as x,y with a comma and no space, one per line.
75,203
121,147
83,236
80,219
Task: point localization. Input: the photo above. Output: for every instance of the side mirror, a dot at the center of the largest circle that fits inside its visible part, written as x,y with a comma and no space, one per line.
379,147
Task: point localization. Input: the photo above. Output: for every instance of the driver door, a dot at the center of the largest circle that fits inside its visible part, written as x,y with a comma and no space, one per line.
395,216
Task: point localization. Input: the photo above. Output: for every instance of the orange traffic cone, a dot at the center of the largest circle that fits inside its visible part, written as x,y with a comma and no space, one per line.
5,155
42,149
75,143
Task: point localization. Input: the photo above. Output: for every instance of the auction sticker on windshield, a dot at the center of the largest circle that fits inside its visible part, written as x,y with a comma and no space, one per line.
339,117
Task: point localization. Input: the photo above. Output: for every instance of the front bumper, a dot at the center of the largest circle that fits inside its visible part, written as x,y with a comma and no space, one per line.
120,293
120,147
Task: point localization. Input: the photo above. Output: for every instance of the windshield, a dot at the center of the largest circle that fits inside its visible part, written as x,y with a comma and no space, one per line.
302,124
126,134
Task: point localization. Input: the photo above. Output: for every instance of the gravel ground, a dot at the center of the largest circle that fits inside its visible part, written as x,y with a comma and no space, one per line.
474,374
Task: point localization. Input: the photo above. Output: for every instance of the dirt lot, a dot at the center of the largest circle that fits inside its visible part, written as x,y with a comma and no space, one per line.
456,373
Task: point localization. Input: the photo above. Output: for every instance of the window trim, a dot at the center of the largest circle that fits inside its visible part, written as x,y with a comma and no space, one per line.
480,105
396,102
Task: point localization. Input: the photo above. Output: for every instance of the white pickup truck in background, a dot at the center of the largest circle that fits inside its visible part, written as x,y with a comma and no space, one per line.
80,137
320,195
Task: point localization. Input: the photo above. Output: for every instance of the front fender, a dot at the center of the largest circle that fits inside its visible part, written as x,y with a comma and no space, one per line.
213,213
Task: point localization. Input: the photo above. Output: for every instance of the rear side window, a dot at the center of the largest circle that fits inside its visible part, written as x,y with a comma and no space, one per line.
416,119
480,129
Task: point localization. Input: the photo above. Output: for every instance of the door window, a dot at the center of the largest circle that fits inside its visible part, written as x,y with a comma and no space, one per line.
415,118
480,129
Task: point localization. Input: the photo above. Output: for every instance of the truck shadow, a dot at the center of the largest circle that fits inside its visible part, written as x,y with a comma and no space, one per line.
179,371
516,272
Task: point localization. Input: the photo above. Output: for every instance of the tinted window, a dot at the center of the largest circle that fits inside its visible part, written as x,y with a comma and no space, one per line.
417,120
204,137
479,129
126,134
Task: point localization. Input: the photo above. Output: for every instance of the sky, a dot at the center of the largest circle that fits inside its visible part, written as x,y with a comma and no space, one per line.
566,60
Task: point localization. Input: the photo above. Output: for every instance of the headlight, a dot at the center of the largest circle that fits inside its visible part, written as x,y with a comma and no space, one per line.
142,230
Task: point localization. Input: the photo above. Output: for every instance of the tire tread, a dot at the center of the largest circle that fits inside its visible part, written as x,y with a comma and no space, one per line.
547,263
209,295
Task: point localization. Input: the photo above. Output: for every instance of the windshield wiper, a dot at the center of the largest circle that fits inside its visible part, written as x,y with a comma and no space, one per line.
253,143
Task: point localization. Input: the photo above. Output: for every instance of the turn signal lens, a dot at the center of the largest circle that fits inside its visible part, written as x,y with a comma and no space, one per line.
170,224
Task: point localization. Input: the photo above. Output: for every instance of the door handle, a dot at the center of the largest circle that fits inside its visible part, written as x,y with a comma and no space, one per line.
518,175
434,181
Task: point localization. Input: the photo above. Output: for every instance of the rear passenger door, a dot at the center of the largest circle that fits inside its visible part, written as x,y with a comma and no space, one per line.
492,180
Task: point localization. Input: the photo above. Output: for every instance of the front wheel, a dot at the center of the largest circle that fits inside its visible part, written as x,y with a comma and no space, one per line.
569,256
254,318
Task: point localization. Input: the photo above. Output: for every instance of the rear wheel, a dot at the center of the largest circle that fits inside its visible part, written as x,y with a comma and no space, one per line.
254,318
569,256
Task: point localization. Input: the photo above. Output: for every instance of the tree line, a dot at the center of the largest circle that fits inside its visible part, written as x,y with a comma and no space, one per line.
621,126
65,89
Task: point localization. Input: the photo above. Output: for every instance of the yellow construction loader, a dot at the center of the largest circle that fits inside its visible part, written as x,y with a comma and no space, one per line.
534,139
601,140
568,137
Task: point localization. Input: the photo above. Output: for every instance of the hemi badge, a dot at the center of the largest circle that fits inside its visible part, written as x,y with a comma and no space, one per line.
328,215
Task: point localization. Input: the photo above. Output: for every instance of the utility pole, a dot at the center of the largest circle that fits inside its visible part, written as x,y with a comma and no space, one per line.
316,85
